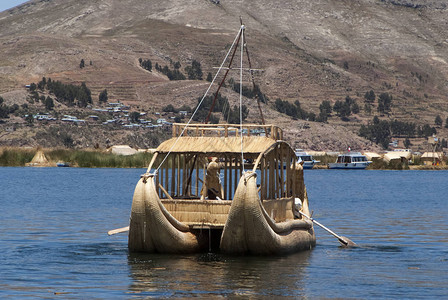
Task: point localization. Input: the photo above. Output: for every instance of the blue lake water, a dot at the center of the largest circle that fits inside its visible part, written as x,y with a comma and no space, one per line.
53,241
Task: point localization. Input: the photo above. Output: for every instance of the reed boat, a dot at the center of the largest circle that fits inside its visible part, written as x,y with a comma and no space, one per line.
219,187
204,199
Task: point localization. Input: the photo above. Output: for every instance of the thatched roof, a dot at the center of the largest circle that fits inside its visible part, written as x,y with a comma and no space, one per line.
251,144
39,158
436,155
371,155
122,150
396,155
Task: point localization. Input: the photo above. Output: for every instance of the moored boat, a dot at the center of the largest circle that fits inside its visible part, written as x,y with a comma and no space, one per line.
62,164
307,159
350,160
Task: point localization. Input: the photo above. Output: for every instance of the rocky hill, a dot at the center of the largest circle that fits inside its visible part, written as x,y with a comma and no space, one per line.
308,51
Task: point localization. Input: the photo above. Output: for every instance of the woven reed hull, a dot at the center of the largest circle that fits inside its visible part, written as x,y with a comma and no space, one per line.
248,229
153,229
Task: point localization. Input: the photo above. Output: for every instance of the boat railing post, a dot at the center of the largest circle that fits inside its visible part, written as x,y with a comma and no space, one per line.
174,131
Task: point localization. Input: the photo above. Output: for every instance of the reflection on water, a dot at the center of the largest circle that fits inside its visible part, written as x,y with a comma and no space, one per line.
213,274
53,241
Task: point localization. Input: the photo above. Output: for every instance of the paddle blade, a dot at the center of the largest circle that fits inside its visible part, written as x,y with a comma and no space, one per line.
119,230
346,242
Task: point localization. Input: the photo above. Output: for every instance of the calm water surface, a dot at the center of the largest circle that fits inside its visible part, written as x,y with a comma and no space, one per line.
53,241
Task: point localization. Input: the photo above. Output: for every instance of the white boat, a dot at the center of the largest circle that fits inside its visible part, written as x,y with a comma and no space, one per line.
62,164
307,159
350,160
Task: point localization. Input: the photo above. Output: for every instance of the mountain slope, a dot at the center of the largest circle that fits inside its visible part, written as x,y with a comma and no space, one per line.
308,51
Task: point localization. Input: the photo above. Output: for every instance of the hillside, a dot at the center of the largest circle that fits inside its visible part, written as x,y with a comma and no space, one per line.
307,51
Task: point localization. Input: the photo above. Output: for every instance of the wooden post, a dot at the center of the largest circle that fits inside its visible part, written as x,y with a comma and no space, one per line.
235,173
197,176
288,173
262,179
173,175
184,175
294,176
225,178
179,157
271,176
282,172
166,172
158,179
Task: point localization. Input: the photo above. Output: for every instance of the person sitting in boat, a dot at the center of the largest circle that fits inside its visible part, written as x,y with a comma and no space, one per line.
212,183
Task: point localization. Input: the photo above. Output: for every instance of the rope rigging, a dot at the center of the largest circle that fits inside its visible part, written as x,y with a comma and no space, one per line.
238,41
200,103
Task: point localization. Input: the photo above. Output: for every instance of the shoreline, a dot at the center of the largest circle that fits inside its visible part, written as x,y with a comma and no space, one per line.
82,158
102,158
410,168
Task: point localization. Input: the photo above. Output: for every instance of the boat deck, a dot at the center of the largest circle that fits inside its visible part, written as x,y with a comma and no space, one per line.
213,214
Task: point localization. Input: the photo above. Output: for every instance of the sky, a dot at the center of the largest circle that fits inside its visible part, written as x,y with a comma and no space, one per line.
6,4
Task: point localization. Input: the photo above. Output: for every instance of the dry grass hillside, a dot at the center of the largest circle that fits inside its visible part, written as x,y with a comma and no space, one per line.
307,50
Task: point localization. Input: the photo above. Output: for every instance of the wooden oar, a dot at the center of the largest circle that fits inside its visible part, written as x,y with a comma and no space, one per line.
119,230
345,242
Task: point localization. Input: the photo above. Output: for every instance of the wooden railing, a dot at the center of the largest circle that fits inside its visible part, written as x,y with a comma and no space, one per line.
226,130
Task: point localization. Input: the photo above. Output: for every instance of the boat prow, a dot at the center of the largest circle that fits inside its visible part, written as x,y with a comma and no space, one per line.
152,228
249,229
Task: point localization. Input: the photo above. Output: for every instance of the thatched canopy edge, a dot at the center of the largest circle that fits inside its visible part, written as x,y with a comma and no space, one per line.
251,144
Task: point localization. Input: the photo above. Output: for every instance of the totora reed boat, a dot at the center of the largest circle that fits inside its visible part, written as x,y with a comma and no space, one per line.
203,199
199,194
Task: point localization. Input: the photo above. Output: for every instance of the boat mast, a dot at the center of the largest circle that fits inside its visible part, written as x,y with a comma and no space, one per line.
241,97
254,86
224,78
252,76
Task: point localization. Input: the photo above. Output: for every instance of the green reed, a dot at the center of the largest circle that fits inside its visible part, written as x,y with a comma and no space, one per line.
76,158
15,157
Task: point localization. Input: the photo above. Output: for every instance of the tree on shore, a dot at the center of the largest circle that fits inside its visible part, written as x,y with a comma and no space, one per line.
134,117
369,96
103,96
194,72
438,120
384,103
49,104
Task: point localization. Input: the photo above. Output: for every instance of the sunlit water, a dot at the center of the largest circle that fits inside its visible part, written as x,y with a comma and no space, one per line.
53,241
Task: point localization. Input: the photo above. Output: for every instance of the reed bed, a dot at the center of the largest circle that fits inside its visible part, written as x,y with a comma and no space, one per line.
76,158
15,157
325,159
